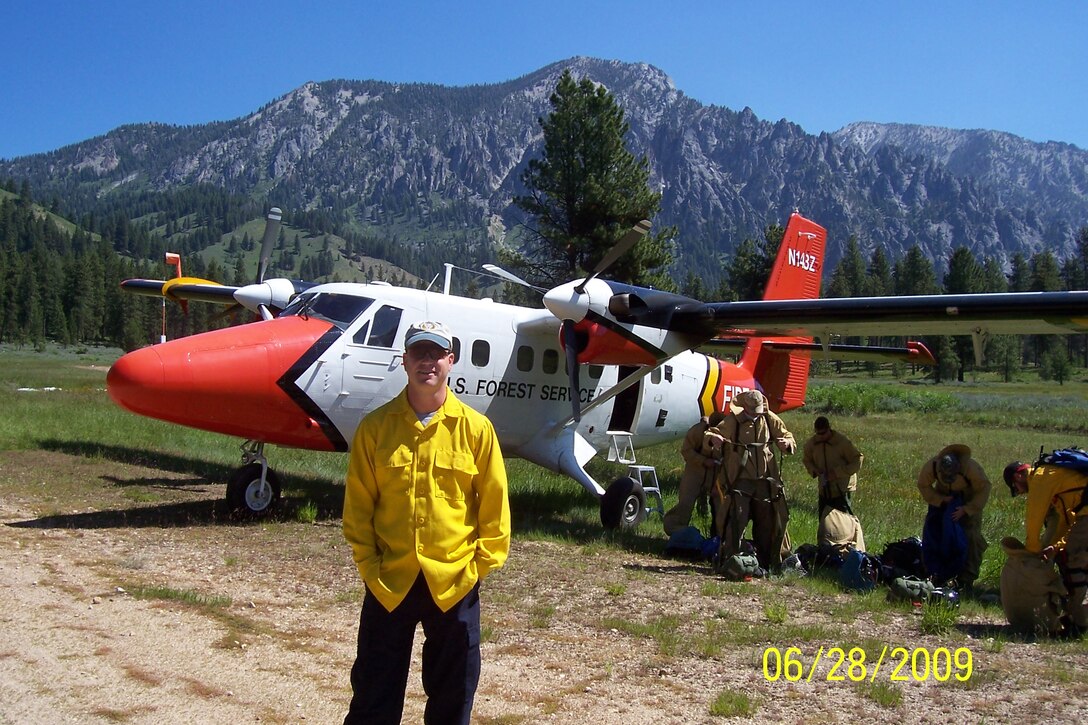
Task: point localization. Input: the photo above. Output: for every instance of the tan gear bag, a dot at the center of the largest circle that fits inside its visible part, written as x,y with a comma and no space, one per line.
840,529
1032,593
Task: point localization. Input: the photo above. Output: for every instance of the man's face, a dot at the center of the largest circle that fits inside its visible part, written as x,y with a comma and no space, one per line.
428,365
823,435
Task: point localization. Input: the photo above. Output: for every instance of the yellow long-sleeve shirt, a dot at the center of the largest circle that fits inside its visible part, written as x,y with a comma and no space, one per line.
1057,488
431,499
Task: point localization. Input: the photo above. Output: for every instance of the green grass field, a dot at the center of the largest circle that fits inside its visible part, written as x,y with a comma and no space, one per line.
898,425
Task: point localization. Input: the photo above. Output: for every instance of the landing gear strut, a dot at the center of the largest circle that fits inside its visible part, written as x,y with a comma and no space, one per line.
254,490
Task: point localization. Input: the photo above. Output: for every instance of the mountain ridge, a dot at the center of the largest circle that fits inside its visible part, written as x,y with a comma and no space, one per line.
450,159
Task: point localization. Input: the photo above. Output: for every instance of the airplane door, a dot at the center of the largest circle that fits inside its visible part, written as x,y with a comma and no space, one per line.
626,403
372,370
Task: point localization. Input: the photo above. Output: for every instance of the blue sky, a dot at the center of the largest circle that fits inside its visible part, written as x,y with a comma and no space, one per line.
80,69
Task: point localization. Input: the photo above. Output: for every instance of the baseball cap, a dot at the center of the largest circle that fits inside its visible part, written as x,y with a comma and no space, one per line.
428,331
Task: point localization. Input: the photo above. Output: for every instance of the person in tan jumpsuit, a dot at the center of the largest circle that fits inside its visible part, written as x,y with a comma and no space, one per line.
750,486
832,458
951,471
700,468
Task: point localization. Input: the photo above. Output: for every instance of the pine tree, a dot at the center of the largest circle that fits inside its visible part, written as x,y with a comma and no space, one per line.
965,276
749,268
848,279
586,191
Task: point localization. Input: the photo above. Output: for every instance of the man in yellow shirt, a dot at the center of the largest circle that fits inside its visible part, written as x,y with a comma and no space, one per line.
427,516
1059,492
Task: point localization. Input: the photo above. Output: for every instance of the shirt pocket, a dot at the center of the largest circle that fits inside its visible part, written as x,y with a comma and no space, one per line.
394,466
454,472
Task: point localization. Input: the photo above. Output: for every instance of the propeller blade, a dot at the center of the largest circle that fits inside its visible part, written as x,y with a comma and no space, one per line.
232,310
620,248
510,277
570,346
271,230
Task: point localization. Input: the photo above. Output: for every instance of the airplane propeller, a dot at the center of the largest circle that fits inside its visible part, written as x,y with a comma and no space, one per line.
271,229
620,248
566,303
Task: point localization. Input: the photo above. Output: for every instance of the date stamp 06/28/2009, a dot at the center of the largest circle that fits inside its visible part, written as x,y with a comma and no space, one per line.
897,664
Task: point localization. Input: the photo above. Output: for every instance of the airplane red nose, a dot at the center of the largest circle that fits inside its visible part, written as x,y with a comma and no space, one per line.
134,380
228,381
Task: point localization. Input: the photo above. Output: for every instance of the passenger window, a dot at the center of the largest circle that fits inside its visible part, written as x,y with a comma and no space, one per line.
595,371
481,353
550,361
386,322
456,349
525,358
655,376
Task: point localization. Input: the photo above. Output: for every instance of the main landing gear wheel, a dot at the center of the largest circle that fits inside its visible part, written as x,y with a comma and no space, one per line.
623,504
250,497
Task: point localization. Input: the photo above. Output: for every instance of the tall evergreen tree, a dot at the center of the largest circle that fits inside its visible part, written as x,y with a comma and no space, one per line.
848,279
586,191
965,276
879,281
749,268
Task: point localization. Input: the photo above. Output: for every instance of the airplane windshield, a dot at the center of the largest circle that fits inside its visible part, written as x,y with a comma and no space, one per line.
338,309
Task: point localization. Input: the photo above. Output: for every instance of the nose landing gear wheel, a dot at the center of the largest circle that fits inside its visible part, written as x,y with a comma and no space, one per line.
250,497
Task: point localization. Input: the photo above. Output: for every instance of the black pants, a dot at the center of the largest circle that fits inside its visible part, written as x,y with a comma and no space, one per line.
451,658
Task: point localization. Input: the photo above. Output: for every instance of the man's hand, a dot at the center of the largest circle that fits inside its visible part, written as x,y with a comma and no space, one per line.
959,513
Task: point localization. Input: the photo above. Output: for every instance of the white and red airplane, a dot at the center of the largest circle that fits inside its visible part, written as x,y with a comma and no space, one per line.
556,381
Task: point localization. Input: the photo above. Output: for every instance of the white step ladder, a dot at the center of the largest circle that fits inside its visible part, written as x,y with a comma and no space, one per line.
621,450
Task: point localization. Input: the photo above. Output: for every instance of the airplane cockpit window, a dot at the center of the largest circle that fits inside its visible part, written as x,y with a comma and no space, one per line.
338,309
550,361
384,331
481,353
525,358
381,330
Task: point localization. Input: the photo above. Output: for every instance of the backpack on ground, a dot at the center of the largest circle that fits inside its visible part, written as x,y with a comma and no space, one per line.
740,567
903,558
859,571
686,543
910,588
815,558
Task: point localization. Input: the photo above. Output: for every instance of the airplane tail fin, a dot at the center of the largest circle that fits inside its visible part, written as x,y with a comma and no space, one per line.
783,375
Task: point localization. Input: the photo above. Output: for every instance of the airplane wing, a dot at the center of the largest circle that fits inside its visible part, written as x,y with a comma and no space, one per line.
914,353
182,288
1022,313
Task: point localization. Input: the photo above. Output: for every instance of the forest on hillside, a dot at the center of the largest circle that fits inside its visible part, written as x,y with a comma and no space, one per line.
60,278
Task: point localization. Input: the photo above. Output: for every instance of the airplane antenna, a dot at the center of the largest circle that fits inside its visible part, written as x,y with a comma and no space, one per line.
433,280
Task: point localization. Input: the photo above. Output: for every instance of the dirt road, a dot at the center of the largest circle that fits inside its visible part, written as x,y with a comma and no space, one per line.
128,598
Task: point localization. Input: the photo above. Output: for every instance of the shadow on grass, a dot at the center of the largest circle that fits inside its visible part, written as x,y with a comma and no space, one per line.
568,514
203,475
